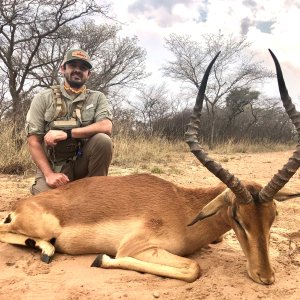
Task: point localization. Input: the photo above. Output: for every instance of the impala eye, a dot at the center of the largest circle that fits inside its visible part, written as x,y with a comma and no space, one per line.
234,216
237,222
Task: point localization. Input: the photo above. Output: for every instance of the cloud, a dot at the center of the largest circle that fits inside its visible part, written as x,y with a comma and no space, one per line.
202,16
250,3
169,12
245,24
264,26
143,6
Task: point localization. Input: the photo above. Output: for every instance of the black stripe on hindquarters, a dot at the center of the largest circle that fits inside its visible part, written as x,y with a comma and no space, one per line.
44,257
8,219
97,262
52,241
30,243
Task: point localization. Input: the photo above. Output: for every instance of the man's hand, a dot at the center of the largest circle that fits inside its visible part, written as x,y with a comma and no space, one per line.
55,180
54,136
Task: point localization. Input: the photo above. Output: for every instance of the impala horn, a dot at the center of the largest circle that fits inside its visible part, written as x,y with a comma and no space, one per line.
293,164
232,182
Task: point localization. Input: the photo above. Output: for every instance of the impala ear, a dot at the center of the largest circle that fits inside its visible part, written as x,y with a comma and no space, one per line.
214,206
286,194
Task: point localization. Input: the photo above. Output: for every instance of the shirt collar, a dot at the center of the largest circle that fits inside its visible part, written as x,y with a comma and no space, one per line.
73,98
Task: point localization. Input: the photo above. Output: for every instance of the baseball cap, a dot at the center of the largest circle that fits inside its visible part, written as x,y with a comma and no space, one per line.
77,54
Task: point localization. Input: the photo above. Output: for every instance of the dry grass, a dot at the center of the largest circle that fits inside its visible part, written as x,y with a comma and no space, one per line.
246,146
156,154
14,155
141,153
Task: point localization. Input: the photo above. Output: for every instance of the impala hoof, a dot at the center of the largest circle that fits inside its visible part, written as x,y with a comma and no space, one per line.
97,262
46,258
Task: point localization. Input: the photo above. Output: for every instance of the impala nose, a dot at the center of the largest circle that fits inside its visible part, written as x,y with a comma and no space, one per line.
266,280
263,275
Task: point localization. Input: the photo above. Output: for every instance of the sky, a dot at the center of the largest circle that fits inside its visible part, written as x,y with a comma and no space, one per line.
273,24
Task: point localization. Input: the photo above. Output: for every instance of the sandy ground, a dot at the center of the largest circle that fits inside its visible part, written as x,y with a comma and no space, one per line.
24,276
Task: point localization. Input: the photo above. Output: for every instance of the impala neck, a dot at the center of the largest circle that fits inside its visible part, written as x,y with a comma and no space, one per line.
209,230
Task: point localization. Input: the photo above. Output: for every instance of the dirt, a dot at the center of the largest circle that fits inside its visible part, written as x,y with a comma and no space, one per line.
224,276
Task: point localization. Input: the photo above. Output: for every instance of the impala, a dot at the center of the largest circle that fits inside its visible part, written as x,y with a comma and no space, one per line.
144,223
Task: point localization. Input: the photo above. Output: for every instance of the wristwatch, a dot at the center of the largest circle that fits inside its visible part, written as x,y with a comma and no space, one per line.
69,133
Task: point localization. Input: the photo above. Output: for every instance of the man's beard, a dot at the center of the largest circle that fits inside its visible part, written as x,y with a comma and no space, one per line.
74,84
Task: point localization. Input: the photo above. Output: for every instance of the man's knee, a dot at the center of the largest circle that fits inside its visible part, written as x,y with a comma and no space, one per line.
38,187
98,154
101,142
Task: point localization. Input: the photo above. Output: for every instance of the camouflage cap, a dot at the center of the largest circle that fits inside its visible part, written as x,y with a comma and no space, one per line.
77,54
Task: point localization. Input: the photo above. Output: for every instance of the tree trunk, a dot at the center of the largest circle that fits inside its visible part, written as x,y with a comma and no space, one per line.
212,130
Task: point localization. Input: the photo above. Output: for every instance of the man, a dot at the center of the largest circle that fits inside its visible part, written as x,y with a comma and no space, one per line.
68,128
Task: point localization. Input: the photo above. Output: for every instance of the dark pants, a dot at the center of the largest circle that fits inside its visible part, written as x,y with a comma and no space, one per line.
95,161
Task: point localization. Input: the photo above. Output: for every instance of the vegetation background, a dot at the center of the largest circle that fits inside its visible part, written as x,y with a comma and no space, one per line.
149,119
240,127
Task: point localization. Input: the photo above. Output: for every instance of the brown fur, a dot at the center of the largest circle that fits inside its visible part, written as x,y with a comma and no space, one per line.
139,216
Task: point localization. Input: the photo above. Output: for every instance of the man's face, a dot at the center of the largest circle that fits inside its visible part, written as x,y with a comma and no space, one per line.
76,73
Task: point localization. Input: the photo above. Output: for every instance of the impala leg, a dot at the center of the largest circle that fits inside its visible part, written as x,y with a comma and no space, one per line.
19,239
154,261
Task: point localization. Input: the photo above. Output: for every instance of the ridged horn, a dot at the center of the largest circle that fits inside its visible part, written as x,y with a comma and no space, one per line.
293,164
232,182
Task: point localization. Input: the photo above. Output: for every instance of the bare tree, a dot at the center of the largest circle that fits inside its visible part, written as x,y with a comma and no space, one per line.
152,103
49,57
5,104
25,28
124,116
236,67
116,61
85,35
